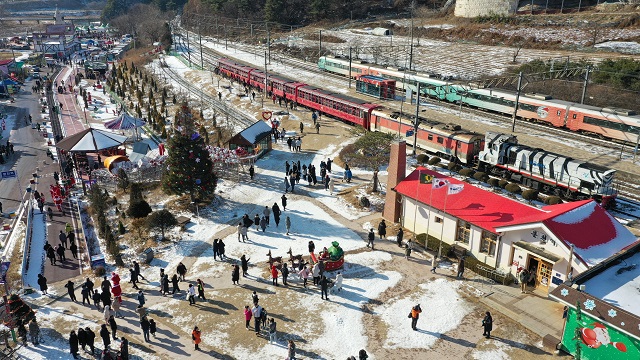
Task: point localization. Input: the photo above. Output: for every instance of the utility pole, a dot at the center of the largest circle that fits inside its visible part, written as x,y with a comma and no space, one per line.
515,108
252,31
416,122
188,48
320,46
266,24
411,44
349,67
584,86
201,59
266,76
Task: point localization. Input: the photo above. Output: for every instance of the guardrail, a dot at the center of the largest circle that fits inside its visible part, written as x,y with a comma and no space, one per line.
26,256
492,274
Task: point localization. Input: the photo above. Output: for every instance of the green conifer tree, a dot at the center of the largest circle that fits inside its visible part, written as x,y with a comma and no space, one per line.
189,166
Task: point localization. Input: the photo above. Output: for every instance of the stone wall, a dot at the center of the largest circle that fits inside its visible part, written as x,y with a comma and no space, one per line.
474,8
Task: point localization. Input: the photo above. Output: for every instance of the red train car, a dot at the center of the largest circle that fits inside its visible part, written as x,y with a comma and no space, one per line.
343,107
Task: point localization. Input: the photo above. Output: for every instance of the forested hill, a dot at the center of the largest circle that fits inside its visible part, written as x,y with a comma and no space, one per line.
294,12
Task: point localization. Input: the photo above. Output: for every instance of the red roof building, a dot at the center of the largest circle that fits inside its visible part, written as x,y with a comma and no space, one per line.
508,234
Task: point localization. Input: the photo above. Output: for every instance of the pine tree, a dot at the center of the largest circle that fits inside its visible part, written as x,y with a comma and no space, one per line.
20,311
189,166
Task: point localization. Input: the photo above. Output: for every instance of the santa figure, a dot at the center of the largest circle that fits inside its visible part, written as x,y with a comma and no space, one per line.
598,336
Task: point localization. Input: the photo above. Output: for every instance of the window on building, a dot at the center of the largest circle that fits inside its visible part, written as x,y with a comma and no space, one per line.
488,243
464,232
440,140
438,219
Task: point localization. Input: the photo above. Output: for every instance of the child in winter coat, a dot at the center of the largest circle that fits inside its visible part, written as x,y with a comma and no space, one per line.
337,285
274,275
304,274
247,316
272,331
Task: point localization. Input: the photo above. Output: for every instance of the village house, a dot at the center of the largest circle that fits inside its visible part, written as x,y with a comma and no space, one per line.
555,242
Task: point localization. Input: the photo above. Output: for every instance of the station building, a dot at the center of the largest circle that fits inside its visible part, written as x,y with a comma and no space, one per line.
58,41
555,242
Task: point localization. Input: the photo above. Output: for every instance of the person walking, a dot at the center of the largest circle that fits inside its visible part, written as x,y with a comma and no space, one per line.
215,242
140,297
283,199
60,252
263,224
317,128
272,331
42,282
324,288
113,326
221,246
191,294
286,184
82,339
315,272
68,228
371,236
243,232
275,209
124,348
134,278
182,271
331,186
274,275
165,284
152,327
200,286
523,277
74,250
247,316
117,301
301,128
408,248
235,275
63,239
487,325
34,332
245,265
146,327
136,267
71,290
291,350
382,229
96,299
51,254
195,336
434,264
267,214
252,172
91,337
106,338
85,292
71,238
399,237
287,224
285,274
254,298
175,283
107,313
304,274
415,315
460,268
73,344
257,317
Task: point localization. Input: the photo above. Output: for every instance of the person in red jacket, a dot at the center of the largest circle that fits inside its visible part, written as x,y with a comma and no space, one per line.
247,316
274,275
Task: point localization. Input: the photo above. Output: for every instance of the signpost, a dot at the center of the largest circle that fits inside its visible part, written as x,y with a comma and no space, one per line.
11,174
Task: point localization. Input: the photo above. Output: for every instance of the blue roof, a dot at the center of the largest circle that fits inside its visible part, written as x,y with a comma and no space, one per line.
373,77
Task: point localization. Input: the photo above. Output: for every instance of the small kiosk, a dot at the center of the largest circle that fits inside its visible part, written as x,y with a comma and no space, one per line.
256,139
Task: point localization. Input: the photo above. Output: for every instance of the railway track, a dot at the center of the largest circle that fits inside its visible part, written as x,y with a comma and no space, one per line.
239,118
626,182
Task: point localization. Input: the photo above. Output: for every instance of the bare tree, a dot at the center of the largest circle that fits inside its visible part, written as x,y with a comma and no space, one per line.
519,45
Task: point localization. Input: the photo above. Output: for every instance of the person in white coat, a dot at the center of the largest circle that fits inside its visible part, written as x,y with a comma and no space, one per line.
107,313
331,186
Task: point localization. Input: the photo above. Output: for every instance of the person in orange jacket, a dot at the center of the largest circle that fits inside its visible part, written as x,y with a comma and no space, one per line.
274,275
415,314
195,336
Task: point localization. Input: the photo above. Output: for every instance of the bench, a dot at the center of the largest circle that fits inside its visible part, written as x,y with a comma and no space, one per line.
183,221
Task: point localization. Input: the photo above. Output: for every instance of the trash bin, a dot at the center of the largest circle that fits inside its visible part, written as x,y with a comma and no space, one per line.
147,255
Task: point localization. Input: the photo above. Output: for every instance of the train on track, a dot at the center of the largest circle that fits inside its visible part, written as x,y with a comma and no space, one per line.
496,154
545,171
610,123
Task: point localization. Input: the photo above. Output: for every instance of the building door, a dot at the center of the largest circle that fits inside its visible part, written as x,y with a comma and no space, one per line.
544,275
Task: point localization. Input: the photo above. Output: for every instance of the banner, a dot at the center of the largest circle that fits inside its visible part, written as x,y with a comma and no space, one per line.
439,183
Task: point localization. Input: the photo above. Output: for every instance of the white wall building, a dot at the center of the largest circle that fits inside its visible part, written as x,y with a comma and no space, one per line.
508,234
475,8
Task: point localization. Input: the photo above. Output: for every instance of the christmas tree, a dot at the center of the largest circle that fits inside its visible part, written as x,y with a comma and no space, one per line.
20,312
189,166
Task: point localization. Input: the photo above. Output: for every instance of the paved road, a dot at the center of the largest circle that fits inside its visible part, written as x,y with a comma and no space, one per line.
30,157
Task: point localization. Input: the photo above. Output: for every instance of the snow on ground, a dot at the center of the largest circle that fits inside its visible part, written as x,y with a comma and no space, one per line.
442,309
